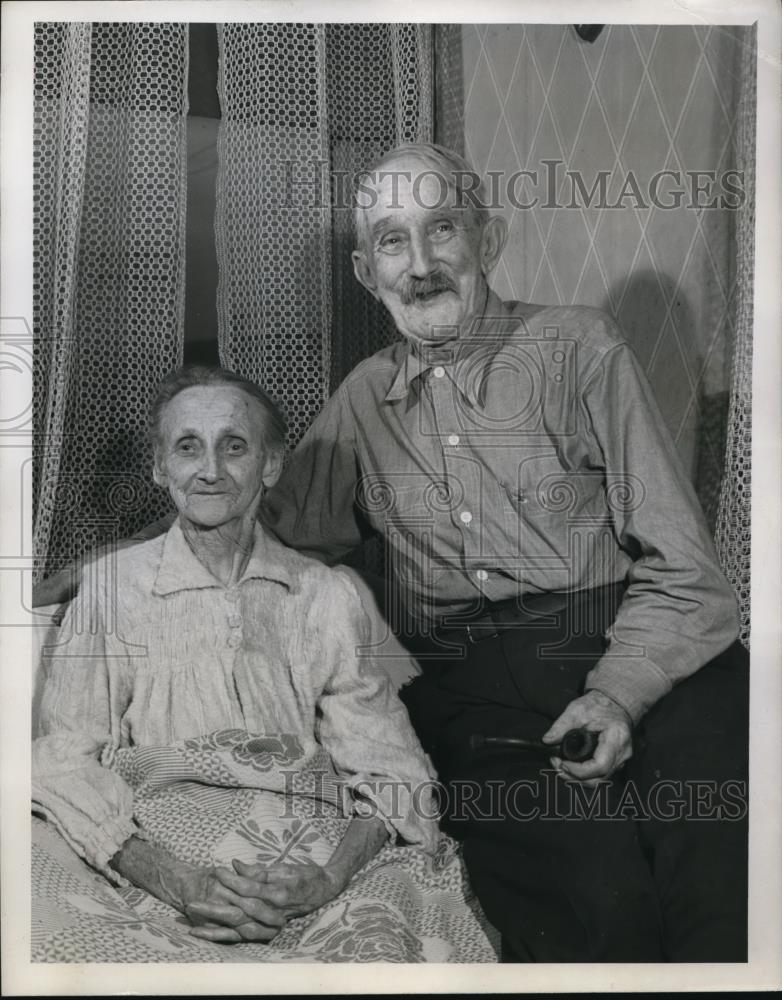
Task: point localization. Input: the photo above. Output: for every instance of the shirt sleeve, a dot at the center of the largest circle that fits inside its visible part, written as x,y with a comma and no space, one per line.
86,693
312,506
367,732
679,611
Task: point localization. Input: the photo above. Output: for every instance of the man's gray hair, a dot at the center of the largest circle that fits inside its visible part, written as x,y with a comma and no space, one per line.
192,376
452,168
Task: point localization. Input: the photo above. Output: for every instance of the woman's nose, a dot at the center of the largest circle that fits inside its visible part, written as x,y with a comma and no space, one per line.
210,468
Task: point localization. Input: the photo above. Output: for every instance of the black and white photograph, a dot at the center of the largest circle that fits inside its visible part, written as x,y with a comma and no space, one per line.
390,484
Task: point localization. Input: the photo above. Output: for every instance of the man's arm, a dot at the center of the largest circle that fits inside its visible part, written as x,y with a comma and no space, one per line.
679,611
312,506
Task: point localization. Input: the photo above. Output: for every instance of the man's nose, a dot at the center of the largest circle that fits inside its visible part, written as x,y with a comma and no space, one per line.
422,261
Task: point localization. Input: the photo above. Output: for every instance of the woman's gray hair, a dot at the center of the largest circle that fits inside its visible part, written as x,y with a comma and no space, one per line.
191,376
457,173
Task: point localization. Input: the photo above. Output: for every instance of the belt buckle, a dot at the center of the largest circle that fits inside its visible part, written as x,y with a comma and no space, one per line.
475,639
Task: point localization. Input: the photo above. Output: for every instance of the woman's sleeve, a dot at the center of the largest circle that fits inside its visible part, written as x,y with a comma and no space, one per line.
86,694
366,729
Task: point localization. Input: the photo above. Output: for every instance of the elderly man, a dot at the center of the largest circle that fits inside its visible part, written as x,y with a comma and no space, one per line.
558,574
554,572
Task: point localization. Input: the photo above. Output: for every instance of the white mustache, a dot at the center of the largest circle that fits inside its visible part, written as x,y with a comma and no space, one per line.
415,288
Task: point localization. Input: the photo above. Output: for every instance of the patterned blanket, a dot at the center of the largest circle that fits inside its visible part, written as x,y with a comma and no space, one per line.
260,799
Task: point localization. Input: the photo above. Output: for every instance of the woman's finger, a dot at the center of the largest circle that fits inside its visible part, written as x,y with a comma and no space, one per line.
251,896
220,935
210,911
252,931
242,885
255,872
248,931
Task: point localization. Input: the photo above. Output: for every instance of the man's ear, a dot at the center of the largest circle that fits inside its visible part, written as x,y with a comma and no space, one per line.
272,469
363,271
493,236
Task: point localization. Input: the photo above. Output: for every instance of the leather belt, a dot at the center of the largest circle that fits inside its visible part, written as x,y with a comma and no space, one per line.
503,615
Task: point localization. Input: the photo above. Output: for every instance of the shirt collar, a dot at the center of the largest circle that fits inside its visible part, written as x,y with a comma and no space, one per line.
486,336
180,568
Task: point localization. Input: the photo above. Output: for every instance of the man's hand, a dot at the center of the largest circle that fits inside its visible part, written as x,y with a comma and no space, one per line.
599,714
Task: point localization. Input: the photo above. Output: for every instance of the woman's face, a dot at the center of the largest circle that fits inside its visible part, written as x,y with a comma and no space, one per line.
211,454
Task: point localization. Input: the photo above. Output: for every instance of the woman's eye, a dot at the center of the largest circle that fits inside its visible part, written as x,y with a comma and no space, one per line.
237,447
186,447
444,228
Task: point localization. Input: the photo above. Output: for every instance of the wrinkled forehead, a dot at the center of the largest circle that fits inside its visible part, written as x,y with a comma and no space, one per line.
212,408
410,183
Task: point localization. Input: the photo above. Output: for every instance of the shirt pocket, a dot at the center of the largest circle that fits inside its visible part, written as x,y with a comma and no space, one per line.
542,491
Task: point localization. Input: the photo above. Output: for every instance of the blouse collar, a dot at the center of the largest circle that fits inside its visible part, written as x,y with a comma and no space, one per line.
181,569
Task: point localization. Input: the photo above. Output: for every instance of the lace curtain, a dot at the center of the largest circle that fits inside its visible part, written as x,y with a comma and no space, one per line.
732,533
304,107
108,250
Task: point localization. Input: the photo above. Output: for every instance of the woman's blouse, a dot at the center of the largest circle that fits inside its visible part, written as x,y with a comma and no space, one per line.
155,650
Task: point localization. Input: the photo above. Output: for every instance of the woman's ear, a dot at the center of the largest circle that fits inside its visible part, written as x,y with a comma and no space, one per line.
159,473
272,469
493,236
363,271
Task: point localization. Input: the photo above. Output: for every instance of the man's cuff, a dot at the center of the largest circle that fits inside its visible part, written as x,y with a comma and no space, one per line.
634,682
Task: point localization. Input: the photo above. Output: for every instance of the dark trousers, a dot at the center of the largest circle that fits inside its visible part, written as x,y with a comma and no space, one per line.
656,867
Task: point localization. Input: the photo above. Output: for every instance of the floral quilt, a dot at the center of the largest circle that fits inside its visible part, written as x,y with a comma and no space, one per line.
257,798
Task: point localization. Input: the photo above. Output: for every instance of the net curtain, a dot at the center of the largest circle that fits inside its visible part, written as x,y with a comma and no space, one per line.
304,107
733,529
108,296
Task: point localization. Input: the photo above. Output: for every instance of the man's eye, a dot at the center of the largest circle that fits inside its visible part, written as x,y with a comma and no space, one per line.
391,243
444,228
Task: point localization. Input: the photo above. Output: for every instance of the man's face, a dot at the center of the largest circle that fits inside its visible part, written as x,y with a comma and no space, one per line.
212,456
423,254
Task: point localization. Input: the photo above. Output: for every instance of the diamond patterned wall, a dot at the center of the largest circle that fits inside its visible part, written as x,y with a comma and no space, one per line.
641,100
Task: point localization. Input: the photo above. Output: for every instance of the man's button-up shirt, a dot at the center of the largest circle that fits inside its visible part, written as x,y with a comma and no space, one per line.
527,457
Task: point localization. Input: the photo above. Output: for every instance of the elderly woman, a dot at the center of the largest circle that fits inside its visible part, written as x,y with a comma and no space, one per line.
208,689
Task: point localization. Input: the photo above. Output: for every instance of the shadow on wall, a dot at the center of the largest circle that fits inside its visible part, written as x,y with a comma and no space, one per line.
661,326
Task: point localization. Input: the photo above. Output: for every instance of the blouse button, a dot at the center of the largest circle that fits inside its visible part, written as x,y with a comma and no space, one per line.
234,621
234,641
232,596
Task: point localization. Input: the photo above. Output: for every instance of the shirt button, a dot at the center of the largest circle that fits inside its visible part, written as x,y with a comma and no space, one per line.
482,574
439,371
234,641
453,439
465,517
234,621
